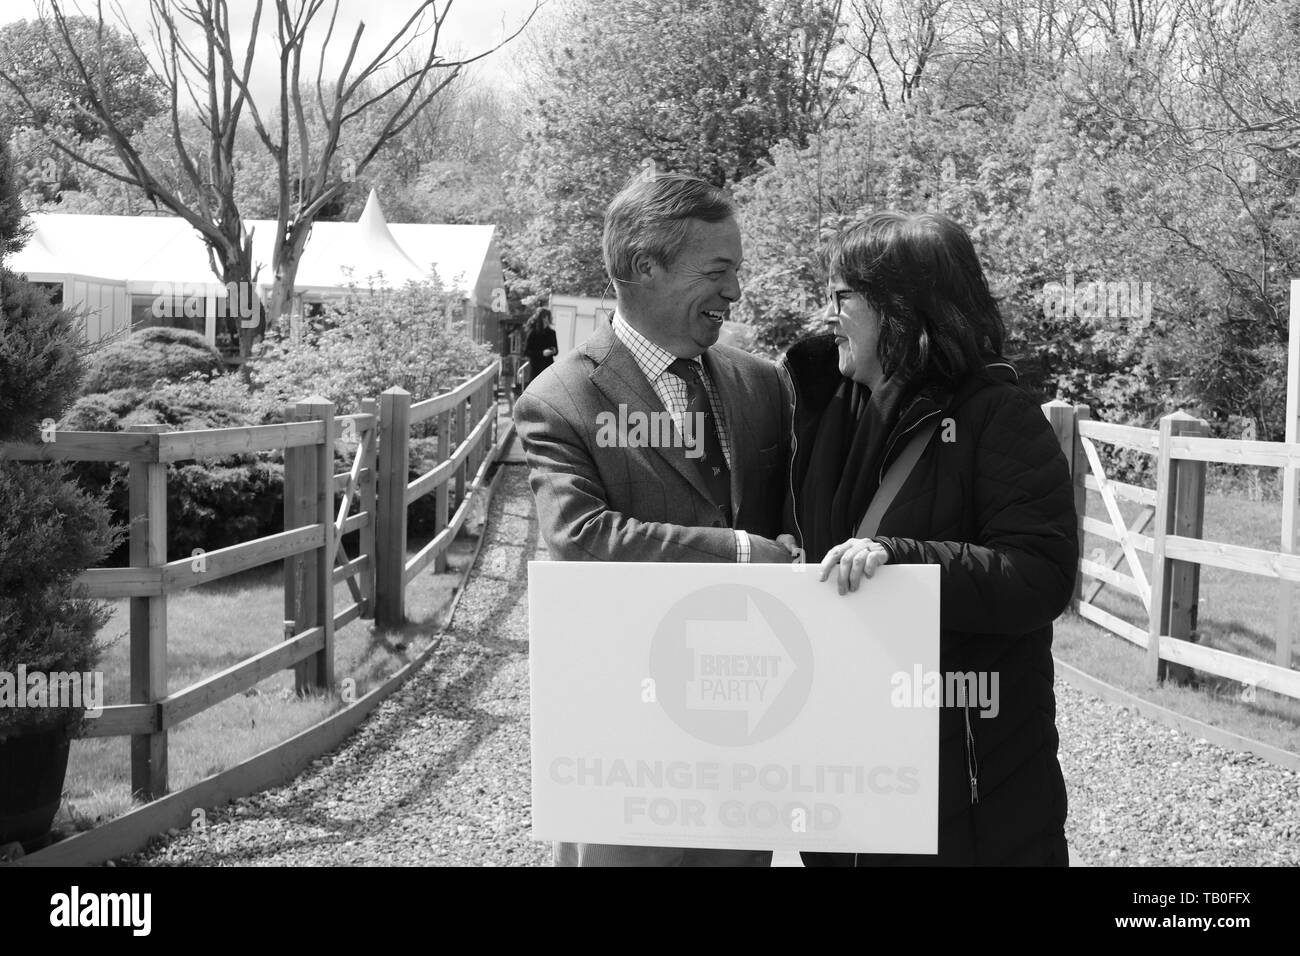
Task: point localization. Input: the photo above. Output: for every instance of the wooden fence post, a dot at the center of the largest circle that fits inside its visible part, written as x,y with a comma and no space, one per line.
394,463
468,423
506,385
479,406
309,577
440,495
484,403
1078,474
462,429
320,408
147,500
1180,510
1063,418
368,495
471,423
300,569
1289,481
497,381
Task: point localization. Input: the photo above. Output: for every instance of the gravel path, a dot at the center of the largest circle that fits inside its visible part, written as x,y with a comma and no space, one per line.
1142,794
439,773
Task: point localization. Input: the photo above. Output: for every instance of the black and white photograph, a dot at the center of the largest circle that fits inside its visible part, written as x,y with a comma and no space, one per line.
649,433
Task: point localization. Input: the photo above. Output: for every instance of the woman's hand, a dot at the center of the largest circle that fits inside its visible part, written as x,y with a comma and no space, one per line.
548,352
855,559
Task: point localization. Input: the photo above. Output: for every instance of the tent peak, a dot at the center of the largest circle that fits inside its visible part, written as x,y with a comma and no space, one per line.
372,216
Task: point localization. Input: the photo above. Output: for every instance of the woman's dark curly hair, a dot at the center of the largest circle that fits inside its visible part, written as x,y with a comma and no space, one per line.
939,322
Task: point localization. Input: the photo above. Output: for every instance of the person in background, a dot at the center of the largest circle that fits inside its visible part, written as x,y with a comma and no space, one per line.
540,345
912,373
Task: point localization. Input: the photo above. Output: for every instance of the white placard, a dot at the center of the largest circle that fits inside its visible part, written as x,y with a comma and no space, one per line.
734,707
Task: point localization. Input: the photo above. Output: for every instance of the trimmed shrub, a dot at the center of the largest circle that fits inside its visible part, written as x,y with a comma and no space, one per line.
41,360
151,356
210,503
59,530
50,529
101,412
214,504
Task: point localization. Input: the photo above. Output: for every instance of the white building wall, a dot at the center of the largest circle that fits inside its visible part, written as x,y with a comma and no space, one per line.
576,317
102,305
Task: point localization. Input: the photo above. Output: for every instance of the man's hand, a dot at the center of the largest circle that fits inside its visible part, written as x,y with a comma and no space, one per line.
767,551
788,542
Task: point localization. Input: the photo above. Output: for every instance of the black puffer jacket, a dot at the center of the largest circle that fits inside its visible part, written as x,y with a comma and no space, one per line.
993,507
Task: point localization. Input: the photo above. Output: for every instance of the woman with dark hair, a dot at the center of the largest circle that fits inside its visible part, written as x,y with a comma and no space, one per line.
915,446
540,345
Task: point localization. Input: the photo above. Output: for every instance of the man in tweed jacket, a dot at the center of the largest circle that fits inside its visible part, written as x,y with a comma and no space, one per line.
609,490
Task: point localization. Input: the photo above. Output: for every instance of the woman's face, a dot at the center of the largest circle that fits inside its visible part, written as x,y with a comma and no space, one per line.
857,330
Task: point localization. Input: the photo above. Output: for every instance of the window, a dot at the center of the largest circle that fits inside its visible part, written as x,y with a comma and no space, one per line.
177,312
53,289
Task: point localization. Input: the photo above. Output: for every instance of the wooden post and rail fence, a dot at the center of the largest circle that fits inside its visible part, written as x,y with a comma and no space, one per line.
1174,512
375,492
375,488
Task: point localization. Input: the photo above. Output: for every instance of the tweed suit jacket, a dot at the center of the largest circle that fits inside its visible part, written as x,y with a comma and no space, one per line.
602,501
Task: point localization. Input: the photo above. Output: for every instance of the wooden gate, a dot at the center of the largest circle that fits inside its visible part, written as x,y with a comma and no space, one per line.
1120,567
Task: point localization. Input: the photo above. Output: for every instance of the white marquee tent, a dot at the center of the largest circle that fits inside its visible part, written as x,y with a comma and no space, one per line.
114,269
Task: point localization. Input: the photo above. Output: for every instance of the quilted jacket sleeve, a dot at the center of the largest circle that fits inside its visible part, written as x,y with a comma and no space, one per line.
1018,573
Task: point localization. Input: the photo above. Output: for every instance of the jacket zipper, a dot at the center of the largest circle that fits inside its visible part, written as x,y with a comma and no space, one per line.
972,763
794,453
884,462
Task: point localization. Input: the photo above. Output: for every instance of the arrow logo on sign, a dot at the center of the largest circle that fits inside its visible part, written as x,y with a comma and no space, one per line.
738,665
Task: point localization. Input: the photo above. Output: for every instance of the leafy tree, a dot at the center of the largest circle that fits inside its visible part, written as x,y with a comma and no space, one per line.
1043,207
209,79
55,96
14,231
57,100
703,87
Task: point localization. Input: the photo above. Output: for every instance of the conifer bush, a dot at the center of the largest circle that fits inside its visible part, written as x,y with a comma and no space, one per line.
51,529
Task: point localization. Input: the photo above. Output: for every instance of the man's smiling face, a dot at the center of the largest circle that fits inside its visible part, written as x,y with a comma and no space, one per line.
685,303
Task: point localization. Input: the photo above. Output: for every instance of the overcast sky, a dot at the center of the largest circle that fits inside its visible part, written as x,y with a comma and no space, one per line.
472,26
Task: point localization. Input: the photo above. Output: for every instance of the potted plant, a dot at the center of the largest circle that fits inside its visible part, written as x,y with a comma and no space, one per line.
50,530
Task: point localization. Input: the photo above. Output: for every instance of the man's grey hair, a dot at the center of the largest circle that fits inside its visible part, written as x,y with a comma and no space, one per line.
652,215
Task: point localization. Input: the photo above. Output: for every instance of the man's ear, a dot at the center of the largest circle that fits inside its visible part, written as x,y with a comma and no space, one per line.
643,267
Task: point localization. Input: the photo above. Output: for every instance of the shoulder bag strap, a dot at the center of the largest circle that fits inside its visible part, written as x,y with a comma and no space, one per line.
894,477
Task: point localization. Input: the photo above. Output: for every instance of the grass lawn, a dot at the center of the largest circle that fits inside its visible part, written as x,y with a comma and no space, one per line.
1236,614
214,626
